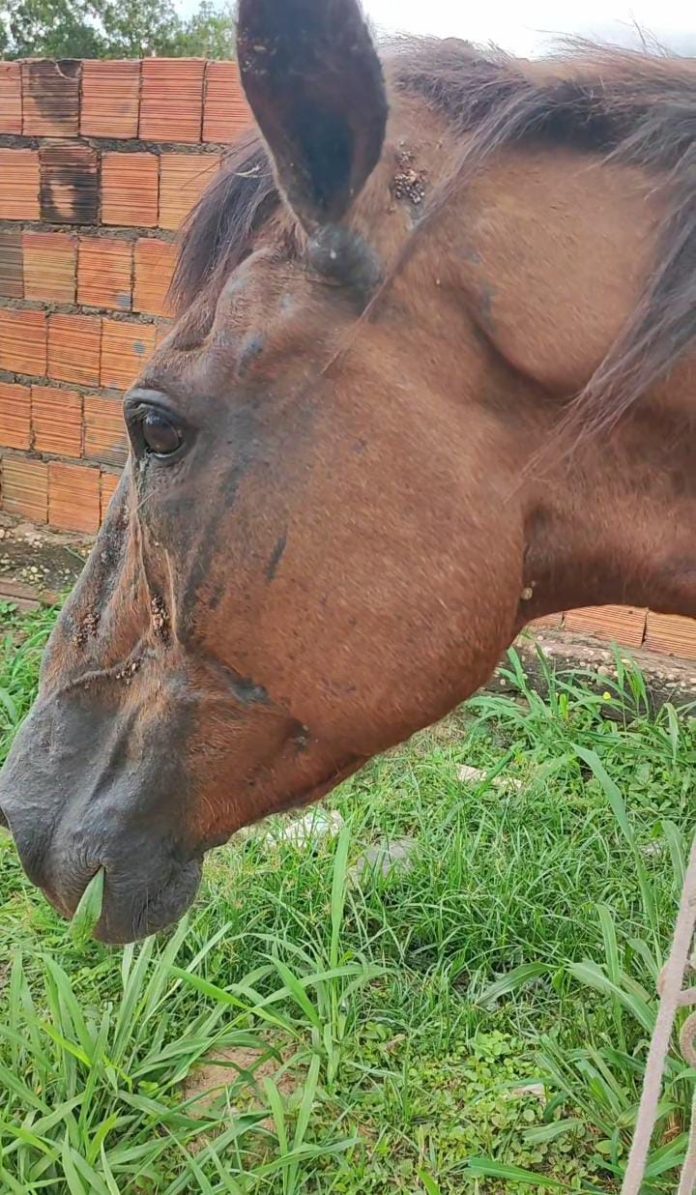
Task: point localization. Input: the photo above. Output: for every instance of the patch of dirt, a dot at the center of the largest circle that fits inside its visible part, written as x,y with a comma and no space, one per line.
223,1070
47,562
209,1081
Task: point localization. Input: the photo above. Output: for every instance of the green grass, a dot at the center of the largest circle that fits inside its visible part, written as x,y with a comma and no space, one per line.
475,1021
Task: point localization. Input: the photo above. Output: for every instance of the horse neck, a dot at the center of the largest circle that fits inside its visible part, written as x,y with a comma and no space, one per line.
550,287
616,522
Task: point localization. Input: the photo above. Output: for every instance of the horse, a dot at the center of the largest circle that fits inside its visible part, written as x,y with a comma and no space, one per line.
432,377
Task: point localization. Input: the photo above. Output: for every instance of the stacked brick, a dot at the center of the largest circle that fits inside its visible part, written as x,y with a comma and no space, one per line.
99,164
630,627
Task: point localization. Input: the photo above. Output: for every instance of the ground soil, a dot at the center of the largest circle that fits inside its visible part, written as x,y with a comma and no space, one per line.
37,565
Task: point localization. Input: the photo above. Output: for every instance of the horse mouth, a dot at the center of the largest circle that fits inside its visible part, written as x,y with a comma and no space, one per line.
130,911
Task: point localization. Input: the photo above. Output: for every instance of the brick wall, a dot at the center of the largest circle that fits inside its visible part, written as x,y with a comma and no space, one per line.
99,164
630,627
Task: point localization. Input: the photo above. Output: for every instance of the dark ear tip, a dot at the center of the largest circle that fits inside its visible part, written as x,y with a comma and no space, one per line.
314,82
304,17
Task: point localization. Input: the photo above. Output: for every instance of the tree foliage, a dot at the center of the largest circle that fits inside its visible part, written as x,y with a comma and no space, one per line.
113,29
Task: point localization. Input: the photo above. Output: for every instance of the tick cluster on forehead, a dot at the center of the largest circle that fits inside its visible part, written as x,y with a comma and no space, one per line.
408,183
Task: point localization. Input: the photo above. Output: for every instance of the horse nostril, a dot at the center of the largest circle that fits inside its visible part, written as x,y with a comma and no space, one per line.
3,820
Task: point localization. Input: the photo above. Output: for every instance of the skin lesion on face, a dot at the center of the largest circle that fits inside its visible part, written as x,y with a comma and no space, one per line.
87,627
250,351
276,557
160,617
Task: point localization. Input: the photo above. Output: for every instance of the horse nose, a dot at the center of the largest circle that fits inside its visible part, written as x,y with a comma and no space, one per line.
149,881
77,798
32,838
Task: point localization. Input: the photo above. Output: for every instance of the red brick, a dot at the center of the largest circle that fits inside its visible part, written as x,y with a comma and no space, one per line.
69,183
19,184
183,179
15,416
50,266
25,488
105,431
56,421
23,597
671,634
154,266
125,349
548,622
104,276
50,97
171,101
23,342
225,109
11,267
10,98
109,485
621,624
130,189
74,499
110,98
74,343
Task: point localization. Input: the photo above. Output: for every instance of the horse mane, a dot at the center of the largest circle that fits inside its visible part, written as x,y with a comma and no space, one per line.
220,229
634,107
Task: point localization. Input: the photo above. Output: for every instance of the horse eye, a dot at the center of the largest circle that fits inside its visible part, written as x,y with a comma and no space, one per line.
160,434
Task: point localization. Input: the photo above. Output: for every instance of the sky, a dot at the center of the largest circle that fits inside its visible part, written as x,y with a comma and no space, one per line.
526,27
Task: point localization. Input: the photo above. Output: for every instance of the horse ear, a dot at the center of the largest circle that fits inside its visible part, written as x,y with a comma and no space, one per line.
314,82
